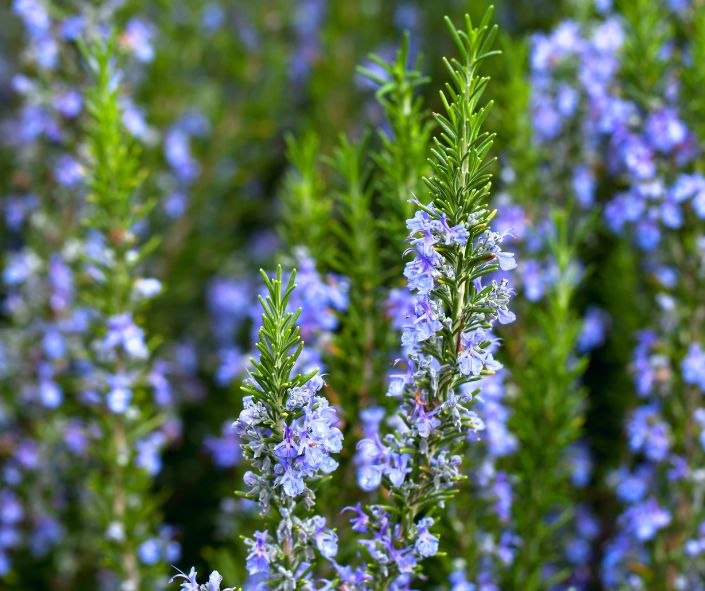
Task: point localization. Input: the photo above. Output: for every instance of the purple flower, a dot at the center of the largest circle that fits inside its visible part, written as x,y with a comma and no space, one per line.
646,519
425,422
426,543
633,486
687,186
177,150
150,551
138,37
592,334
69,103
72,27
648,235
420,271
225,450
665,130
457,234
648,432
584,185
35,16
125,334
191,584
50,393
693,366
260,555
149,452
291,480
360,521
119,395
327,542
68,171
638,158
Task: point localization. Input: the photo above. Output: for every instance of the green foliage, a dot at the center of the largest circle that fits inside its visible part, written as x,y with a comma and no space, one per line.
114,179
401,158
306,208
693,74
520,153
461,170
360,357
547,418
280,345
647,35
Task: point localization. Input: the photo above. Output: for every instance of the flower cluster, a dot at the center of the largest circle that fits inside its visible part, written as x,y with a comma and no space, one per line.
643,139
49,438
639,132
662,476
492,488
190,582
289,434
577,79
306,447
119,385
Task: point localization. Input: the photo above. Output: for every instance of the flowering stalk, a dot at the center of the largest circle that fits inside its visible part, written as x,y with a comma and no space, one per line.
367,245
43,439
446,338
115,388
288,434
659,538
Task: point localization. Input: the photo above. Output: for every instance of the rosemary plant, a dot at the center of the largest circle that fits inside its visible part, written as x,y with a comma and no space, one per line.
445,339
289,433
123,513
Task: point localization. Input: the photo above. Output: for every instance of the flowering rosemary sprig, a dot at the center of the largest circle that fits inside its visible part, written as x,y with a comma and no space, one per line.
116,373
446,338
658,538
288,434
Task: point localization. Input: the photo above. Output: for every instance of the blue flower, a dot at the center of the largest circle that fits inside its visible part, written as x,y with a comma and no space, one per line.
360,521
149,451
291,480
693,366
584,185
424,422
426,544
645,519
261,553
137,37
119,394
123,333
149,551
191,584
665,130
648,432
327,542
